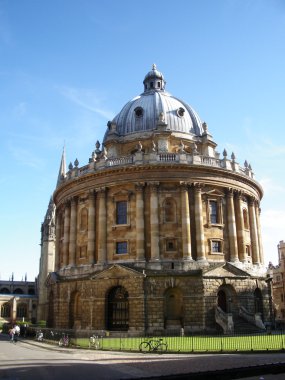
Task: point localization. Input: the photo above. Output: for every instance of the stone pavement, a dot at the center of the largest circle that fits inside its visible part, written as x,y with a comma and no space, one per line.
267,366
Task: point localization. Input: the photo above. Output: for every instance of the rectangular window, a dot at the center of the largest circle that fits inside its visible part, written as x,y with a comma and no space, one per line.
121,247
216,246
213,212
121,212
171,245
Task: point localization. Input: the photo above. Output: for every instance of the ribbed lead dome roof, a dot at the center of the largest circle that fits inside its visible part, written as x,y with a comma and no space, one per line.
155,104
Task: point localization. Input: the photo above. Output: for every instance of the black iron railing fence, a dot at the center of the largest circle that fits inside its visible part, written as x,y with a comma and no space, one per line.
105,340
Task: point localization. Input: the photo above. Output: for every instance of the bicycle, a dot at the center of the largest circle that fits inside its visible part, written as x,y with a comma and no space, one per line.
39,336
64,341
154,345
94,342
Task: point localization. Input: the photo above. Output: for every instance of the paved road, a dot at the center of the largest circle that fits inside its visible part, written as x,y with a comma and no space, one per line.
39,361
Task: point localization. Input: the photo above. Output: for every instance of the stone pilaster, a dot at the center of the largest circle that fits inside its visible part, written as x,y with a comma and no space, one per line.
253,232
200,239
58,238
140,229
261,254
240,230
232,226
73,232
102,227
91,228
66,230
185,221
154,221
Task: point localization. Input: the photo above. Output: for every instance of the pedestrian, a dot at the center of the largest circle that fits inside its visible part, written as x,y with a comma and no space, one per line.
12,335
17,332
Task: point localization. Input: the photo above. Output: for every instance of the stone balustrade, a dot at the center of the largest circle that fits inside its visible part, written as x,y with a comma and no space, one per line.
141,158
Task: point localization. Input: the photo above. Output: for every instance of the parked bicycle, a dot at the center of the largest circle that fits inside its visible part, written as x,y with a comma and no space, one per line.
40,336
94,342
154,345
64,341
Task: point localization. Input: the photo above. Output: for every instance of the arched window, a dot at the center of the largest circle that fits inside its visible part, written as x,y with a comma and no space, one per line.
6,310
118,309
50,318
173,305
4,291
83,219
245,219
18,291
169,210
75,310
22,310
258,304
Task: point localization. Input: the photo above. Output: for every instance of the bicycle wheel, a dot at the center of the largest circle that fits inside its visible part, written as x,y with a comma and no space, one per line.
162,347
144,347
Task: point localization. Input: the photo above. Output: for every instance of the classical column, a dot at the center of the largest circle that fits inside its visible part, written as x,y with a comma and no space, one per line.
232,226
91,228
200,240
240,230
66,233
253,232
140,222
261,254
154,221
73,231
102,227
14,309
185,220
57,240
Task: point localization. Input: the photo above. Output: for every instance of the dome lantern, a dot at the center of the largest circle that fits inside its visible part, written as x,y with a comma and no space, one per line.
154,80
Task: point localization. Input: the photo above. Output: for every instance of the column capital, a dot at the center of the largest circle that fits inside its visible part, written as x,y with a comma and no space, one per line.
184,185
153,185
230,192
139,186
252,201
91,194
101,191
197,186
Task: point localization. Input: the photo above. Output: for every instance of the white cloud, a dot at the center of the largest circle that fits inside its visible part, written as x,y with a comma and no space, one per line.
85,98
25,157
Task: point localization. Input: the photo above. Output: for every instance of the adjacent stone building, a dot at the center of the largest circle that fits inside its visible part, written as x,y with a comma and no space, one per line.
278,285
46,259
18,300
158,231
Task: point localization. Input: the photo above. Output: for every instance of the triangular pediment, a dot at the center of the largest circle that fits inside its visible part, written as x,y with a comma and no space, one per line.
213,192
117,271
226,270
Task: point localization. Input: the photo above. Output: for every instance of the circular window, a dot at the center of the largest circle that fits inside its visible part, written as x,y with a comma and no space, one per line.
138,112
180,112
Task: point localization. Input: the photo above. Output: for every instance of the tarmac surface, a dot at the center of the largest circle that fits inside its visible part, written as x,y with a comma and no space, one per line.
251,366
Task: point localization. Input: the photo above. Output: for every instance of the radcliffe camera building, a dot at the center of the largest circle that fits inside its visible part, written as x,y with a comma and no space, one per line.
157,232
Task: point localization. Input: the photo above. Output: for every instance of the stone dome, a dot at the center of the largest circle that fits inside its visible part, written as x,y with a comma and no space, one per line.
155,107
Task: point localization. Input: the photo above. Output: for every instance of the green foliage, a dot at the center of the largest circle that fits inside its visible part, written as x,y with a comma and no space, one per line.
41,324
246,343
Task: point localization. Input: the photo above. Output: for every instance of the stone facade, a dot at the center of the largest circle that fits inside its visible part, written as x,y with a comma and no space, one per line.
18,301
46,259
157,232
277,273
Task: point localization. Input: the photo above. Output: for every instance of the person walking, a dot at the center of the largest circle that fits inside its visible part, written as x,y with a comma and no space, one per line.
12,332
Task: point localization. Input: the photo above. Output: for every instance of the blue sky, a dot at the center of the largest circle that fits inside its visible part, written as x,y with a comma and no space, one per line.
69,66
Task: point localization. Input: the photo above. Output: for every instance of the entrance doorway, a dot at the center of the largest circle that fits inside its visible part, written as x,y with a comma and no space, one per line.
118,309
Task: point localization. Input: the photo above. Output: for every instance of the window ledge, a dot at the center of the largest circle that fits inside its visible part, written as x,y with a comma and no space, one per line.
118,226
